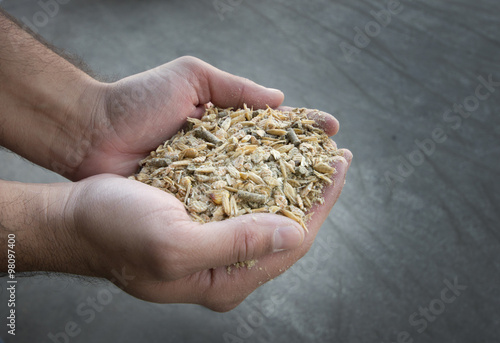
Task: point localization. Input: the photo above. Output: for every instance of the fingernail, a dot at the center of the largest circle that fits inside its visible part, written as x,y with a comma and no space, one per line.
287,237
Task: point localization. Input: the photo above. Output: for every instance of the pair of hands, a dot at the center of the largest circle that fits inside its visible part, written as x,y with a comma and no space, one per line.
115,225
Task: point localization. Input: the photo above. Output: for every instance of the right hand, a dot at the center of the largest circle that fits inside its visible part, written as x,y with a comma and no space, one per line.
117,225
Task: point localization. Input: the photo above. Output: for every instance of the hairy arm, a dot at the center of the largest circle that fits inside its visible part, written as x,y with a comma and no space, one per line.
42,99
59,117
34,213
40,93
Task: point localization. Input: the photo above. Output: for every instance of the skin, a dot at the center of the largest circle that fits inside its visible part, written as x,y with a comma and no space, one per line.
101,224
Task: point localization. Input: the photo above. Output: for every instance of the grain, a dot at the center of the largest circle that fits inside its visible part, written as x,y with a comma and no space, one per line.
293,137
252,197
237,161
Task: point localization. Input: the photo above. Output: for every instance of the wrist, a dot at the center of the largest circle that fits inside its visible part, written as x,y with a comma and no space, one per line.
78,127
35,214
48,104
72,214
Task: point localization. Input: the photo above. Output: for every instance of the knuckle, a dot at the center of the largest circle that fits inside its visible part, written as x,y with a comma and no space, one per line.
246,243
242,91
190,61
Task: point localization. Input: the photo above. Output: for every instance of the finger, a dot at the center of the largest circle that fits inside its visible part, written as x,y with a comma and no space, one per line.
324,120
227,90
239,239
242,281
268,267
222,288
348,156
332,192
253,236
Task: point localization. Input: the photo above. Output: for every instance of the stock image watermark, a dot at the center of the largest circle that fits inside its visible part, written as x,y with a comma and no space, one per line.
225,6
453,118
252,323
420,320
372,29
48,10
87,310
11,283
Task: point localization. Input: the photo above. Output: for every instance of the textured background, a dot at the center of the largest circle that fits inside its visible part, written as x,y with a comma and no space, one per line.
408,224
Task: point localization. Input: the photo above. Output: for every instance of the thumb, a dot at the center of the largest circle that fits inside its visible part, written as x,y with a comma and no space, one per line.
242,238
227,90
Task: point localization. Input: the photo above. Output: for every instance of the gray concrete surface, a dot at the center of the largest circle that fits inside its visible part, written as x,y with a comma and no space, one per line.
411,221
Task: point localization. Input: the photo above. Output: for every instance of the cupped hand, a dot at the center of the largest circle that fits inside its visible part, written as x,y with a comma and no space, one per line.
124,227
136,114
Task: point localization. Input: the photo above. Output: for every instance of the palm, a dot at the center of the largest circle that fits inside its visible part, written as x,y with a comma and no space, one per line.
131,218
135,126
141,111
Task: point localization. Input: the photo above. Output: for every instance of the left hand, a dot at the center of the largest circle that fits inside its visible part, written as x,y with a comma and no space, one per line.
136,114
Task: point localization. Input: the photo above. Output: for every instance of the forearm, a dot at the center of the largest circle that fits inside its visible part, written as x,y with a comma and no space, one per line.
35,214
45,101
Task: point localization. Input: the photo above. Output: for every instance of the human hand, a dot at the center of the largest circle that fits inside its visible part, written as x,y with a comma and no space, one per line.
136,114
120,225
